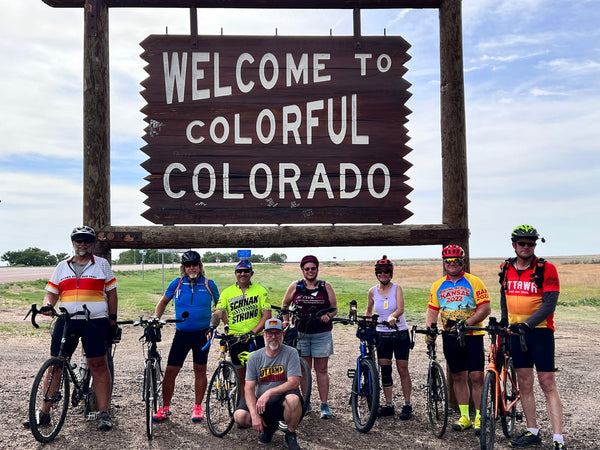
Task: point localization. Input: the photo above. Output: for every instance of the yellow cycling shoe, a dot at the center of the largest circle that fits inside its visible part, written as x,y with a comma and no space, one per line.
462,424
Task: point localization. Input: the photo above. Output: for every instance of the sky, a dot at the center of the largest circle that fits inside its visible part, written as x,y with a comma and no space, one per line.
532,97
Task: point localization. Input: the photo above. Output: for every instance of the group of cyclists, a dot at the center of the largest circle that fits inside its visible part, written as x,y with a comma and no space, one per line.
270,375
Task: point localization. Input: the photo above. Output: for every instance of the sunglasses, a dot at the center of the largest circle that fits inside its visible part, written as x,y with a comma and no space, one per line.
190,264
451,260
379,272
526,244
242,271
309,269
83,241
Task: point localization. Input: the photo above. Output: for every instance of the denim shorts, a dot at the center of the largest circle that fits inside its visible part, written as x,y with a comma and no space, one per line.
318,345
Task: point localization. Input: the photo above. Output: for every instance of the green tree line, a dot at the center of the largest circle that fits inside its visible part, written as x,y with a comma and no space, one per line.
34,256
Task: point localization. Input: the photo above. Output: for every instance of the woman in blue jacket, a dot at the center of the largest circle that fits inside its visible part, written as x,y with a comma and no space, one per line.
193,293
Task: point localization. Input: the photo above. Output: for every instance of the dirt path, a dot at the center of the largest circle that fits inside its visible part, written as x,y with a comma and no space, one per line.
21,357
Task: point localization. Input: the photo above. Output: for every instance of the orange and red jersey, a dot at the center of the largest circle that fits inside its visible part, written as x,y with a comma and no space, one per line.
523,298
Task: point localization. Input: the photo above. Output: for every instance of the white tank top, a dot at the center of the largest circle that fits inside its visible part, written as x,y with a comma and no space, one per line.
384,306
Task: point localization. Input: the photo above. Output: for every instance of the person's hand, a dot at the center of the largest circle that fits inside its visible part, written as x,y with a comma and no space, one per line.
209,333
114,333
519,328
503,323
47,310
285,324
391,320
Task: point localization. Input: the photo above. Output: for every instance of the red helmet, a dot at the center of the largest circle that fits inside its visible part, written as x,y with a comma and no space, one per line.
309,258
384,263
453,251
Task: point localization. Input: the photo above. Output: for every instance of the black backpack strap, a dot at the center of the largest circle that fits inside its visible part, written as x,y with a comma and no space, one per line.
538,273
503,269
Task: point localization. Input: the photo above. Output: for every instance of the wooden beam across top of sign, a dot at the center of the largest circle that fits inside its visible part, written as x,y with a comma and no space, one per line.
278,236
259,4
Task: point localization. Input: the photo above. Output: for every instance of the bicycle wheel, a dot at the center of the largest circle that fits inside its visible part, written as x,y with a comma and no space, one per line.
51,386
89,395
510,394
151,395
488,408
222,398
365,395
305,385
437,399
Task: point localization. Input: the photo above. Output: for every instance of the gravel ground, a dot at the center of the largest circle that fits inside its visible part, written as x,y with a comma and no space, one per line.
23,355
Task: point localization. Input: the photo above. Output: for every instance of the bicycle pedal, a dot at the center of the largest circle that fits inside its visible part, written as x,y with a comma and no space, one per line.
519,416
422,386
351,373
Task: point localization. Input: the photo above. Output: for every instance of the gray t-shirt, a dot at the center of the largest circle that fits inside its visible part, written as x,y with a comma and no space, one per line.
270,372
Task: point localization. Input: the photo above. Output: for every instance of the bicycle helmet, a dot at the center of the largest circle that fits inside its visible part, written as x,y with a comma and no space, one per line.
83,232
243,357
453,251
384,263
190,257
524,231
307,259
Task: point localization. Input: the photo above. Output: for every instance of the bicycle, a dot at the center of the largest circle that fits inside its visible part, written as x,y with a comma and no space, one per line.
223,390
153,373
436,387
500,392
53,381
364,396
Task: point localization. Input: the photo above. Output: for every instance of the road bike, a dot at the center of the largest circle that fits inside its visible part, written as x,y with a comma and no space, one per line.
500,392
436,387
51,390
223,392
153,373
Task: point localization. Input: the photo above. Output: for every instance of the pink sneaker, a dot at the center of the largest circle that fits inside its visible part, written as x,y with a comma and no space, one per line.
197,413
163,413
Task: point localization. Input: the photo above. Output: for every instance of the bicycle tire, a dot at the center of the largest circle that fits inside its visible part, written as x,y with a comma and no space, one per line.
488,408
365,395
151,397
89,395
437,399
222,398
510,393
46,376
305,386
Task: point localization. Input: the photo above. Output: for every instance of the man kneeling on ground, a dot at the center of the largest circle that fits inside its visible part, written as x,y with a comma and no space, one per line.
272,388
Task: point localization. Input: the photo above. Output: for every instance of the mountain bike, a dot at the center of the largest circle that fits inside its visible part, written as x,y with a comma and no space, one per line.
500,392
436,387
51,390
364,396
223,392
153,373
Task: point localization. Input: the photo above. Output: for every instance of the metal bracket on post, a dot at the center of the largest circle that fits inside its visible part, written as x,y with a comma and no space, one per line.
356,26
194,26
92,18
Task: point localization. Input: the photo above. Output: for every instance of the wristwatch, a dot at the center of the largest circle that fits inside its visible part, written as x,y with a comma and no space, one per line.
112,317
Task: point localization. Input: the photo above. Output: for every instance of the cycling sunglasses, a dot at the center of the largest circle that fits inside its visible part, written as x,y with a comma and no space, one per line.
526,244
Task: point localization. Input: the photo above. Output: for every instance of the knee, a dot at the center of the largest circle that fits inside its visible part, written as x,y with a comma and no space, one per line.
547,383
386,376
240,416
291,401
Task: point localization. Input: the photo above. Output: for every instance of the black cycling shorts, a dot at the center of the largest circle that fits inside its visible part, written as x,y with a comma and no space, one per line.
468,358
93,334
540,350
395,343
183,342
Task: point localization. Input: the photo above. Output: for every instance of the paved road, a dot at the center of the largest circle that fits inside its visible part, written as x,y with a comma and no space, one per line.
9,274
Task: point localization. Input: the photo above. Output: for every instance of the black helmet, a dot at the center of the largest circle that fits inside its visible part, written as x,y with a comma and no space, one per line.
524,231
85,233
190,257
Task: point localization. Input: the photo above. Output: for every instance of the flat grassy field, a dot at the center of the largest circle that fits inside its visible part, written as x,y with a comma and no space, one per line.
139,291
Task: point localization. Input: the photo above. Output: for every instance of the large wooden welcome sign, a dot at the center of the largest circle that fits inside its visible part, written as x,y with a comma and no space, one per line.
249,129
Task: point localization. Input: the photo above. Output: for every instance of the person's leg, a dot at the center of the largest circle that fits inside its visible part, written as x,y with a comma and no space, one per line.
553,403
405,380
292,411
476,387
386,379
525,382
102,381
168,385
320,365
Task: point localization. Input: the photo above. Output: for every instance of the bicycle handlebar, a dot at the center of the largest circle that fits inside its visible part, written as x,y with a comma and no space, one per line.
34,311
493,328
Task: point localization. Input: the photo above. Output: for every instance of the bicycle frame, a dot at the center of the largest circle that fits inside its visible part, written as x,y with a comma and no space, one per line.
503,377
